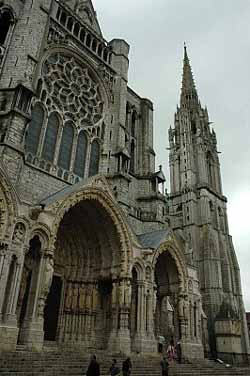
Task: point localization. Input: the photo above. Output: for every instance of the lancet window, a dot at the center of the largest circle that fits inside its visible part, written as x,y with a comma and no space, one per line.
66,129
49,145
94,158
52,143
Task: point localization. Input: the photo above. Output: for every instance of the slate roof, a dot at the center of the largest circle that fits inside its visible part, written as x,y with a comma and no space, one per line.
153,239
62,193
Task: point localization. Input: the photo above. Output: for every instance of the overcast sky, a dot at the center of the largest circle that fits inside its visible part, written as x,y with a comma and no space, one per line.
217,34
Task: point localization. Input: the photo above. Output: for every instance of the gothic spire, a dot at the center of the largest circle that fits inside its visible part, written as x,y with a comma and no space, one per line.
189,96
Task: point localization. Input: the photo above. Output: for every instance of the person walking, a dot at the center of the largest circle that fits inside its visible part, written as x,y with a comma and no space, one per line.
114,369
178,351
164,366
126,367
93,368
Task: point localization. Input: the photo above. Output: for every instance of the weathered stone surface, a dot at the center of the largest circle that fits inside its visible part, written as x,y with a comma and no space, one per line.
93,253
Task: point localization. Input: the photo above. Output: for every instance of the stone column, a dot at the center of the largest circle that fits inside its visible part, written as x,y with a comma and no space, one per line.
183,310
31,333
8,291
11,304
5,260
119,340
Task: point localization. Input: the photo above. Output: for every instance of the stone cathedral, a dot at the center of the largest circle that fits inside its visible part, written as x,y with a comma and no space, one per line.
93,252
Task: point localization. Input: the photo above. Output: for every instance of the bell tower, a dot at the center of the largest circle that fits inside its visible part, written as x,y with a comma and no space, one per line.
198,214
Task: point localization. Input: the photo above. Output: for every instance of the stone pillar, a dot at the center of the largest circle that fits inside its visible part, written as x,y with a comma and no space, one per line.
119,340
9,288
11,304
31,333
183,310
5,260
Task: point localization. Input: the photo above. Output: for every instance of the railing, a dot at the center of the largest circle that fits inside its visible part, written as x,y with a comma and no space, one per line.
84,35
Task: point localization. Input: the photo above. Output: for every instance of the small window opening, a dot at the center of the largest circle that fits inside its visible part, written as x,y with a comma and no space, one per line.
5,23
88,41
63,18
70,24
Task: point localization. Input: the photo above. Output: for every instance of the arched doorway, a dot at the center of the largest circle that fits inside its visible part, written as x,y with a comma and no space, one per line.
88,295
167,282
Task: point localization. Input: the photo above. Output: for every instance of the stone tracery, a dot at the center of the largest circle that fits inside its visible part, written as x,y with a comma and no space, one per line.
72,90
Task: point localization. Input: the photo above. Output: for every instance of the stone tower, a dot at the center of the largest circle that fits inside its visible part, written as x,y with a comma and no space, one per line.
199,214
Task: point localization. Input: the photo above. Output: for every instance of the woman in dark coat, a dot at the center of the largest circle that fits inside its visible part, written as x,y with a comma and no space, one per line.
126,367
93,368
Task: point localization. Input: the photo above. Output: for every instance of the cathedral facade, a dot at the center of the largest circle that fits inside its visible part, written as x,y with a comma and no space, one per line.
93,253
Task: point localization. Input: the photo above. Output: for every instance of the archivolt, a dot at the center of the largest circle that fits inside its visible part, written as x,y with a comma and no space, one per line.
106,202
178,257
8,206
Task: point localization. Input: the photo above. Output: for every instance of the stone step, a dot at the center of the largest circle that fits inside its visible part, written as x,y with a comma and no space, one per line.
56,363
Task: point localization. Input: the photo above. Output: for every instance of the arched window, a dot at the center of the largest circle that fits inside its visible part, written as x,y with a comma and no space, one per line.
50,138
81,150
94,45
88,40
5,22
70,24
76,29
34,131
99,50
82,35
66,146
63,18
105,55
94,158
133,125
132,155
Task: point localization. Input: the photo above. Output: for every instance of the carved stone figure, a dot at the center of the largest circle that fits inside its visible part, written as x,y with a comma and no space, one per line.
48,274
68,299
74,306
171,137
95,297
154,299
19,233
82,298
121,293
127,292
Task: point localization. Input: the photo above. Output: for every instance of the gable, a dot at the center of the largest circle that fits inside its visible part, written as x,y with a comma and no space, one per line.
85,10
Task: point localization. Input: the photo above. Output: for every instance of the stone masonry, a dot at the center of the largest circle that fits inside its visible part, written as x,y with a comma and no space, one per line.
93,253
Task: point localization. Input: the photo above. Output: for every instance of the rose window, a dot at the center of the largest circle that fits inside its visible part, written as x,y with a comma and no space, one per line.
72,90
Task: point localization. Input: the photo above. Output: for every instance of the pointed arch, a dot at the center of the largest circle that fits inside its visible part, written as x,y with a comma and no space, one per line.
8,205
178,257
102,198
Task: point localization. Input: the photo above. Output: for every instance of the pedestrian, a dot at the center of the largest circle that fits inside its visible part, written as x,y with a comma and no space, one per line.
161,343
126,367
93,368
171,352
178,351
164,366
114,369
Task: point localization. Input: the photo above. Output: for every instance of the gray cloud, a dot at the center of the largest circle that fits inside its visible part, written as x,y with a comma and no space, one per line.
218,39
